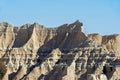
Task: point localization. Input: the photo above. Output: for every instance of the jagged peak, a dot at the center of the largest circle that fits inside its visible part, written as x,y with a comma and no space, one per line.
77,25
33,50
77,22
34,25
25,26
5,24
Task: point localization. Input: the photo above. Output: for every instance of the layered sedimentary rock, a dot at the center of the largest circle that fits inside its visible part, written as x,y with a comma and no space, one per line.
33,52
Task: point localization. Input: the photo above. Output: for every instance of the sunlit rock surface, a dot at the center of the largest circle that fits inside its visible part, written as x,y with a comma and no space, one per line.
34,52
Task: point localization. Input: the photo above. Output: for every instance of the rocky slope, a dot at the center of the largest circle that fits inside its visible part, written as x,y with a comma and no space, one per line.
33,52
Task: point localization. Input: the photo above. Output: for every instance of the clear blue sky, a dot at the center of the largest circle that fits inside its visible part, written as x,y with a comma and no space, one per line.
102,16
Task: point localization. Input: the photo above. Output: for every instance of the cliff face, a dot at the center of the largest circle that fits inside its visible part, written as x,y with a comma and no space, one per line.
33,52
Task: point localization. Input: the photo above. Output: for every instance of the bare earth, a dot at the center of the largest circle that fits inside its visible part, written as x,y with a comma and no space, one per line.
34,52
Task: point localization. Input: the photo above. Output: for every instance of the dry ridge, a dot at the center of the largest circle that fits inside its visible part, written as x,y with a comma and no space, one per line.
34,52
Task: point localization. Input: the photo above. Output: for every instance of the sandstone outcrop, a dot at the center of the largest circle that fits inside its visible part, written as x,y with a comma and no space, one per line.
34,52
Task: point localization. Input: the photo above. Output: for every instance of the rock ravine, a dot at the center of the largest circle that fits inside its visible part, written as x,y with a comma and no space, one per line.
34,52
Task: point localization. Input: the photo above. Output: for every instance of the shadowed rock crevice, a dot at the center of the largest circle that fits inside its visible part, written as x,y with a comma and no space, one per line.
34,52
23,34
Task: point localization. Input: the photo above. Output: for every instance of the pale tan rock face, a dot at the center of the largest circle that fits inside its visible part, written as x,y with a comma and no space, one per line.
95,37
20,73
33,52
96,77
112,43
115,74
6,36
34,36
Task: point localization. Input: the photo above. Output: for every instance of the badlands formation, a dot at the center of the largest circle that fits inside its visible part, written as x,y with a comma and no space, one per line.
33,52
